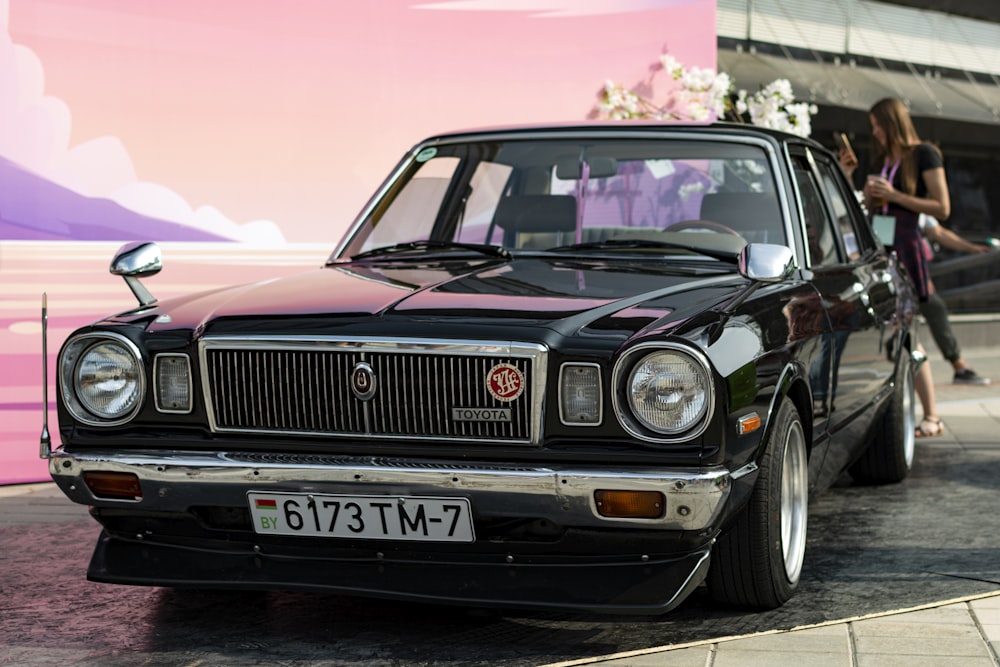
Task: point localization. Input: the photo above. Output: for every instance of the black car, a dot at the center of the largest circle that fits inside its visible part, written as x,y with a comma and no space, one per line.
589,367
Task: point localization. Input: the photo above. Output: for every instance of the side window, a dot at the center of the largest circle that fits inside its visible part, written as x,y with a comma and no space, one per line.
840,197
820,235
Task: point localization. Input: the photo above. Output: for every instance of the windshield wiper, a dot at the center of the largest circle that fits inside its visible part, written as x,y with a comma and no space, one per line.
633,244
412,246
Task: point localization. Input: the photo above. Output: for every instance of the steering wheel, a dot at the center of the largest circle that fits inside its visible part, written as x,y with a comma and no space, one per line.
710,225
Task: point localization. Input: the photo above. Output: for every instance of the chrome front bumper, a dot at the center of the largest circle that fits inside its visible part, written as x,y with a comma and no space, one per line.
561,494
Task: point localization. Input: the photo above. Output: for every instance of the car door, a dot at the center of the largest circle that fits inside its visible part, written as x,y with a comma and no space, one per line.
853,369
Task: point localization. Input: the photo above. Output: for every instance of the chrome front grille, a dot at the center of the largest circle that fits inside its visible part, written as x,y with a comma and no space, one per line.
295,385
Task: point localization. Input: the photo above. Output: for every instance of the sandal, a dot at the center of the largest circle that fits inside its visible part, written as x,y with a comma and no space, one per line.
930,427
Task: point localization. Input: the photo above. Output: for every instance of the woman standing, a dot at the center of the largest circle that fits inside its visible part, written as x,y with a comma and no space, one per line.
908,179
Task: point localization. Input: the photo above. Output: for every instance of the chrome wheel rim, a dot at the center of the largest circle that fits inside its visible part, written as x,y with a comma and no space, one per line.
909,417
794,502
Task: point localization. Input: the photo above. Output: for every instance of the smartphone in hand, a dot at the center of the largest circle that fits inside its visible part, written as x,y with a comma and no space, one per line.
843,144
848,158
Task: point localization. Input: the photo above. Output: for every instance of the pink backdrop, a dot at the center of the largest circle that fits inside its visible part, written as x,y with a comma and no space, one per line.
228,126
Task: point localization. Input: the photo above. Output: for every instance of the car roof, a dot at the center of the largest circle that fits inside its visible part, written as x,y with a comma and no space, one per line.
612,128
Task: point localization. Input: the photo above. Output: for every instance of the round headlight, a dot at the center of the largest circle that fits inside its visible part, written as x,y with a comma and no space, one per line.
668,391
103,380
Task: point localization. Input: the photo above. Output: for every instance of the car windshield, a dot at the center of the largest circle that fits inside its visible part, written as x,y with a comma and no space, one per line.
527,194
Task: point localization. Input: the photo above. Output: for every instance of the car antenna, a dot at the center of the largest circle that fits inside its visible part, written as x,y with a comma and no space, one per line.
45,445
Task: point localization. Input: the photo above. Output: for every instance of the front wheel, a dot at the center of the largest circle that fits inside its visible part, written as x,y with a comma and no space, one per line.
757,562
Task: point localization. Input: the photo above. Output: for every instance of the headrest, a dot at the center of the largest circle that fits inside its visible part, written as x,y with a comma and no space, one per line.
742,210
537,213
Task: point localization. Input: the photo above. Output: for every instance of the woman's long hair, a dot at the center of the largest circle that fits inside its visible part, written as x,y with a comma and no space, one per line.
900,140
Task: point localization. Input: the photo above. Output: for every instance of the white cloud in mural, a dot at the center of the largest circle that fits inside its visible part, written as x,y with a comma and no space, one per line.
156,200
76,171
555,8
34,129
35,133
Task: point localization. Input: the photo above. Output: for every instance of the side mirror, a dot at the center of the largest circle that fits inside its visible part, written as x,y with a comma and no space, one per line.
137,260
765,262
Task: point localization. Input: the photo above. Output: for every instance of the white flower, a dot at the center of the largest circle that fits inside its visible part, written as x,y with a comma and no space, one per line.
741,103
703,95
688,189
698,78
699,112
618,102
774,106
674,68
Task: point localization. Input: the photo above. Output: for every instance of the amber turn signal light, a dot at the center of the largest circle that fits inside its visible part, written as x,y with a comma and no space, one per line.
748,423
630,504
115,485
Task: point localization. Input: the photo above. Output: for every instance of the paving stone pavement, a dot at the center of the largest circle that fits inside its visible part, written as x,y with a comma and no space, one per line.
964,633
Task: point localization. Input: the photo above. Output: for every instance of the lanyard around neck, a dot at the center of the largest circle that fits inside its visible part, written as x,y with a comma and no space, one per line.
889,175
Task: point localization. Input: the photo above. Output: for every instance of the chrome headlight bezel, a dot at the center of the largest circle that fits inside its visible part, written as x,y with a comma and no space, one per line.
629,416
74,352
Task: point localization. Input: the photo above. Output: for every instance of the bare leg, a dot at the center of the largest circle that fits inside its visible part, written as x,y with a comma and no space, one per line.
923,383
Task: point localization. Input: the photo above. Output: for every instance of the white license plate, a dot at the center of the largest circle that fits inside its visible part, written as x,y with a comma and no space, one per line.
421,518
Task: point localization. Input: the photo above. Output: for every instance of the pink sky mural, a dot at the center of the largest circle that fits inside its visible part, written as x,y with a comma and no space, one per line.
260,122
237,112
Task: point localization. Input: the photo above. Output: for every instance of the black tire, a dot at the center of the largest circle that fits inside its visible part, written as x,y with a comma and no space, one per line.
757,562
889,456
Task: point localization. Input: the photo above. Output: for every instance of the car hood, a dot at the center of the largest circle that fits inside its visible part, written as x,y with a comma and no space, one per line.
558,294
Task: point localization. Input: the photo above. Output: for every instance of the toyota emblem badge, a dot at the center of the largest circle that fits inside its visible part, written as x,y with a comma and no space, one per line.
363,381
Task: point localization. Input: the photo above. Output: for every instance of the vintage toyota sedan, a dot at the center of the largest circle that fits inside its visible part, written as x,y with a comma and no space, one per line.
590,367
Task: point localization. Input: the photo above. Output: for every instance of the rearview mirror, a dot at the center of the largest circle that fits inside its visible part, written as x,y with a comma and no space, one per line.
600,167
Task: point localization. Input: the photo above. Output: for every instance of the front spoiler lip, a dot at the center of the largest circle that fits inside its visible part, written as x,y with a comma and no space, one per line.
178,480
642,587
